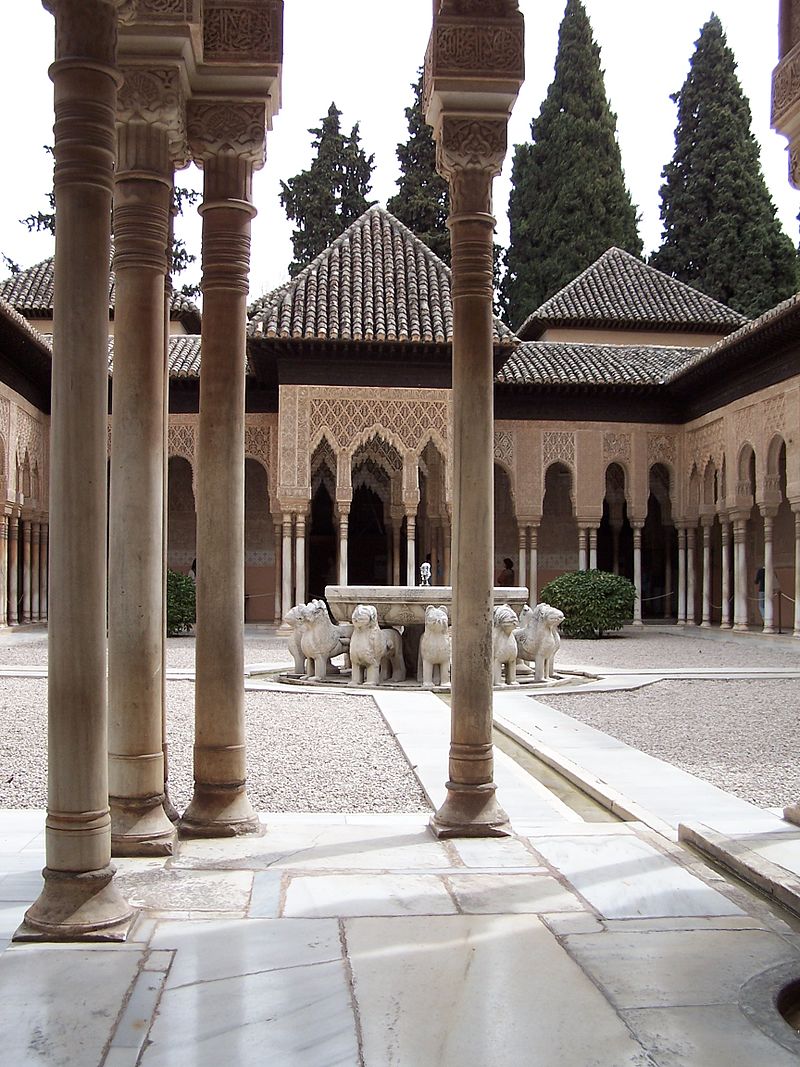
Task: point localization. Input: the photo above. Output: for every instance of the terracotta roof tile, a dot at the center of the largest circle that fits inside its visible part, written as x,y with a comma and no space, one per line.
184,355
619,290
375,282
45,341
567,363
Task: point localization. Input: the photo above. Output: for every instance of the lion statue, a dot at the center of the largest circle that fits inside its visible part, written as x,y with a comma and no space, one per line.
320,639
504,645
434,647
538,639
374,651
297,618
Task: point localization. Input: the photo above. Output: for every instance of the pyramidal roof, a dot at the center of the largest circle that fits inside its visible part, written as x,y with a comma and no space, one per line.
376,282
618,290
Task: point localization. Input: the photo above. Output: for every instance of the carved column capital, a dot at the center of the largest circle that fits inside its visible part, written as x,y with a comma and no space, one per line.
152,97
87,29
228,139
469,154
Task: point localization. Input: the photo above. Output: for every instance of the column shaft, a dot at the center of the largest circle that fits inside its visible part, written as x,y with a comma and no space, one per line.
681,577
26,570
276,537
35,539
593,548
522,569
725,621
13,570
343,550
533,568
740,574
668,579
300,559
582,541
44,572
411,554
286,569
637,574
706,619
796,574
446,532
769,577
4,570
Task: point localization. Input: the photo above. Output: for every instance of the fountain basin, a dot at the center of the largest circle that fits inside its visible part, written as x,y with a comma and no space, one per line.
404,605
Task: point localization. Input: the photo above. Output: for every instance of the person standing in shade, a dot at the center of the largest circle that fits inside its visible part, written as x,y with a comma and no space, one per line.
506,575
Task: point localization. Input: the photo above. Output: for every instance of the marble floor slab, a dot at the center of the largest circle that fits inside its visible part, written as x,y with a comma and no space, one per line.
367,894
470,991
160,889
511,894
625,878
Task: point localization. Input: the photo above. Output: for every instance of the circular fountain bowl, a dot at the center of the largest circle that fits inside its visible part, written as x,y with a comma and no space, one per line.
404,605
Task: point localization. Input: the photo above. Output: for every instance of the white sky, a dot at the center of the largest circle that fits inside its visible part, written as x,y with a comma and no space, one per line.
364,54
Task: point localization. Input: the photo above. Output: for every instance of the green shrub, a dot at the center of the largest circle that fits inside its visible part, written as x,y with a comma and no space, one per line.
593,602
181,611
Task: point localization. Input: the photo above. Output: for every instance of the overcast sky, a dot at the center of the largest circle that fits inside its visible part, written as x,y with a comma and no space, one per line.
364,55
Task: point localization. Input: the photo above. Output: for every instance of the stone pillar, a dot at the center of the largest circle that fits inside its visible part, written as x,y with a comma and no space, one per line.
286,569
344,520
43,571
725,621
26,570
36,533
80,898
769,574
447,534
592,548
13,570
300,558
522,569
740,591
582,543
668,576
411,548
142,198
396,532
4,570
637,572
227,137
276,537
691,541
681,576
706,619
533,568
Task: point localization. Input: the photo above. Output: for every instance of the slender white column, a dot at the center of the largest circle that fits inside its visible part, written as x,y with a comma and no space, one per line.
582,541
276,541
523,555
396,531
43,571
691,566
681,576
533,569
4,570
668,577
26,570
411,549
706,619
300,559
725,622
344,519
286,563
13,570
592,548
797,574
637,573
740,574
769,577
447,534
36,533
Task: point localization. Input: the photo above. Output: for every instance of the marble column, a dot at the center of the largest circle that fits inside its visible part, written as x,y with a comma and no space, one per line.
522,569
533,564
300,558
80,898
447,534
796,573
681,576
740,574
725,621
344,521
668,575
227,137
396,532
36,533
411,548
286,569
26,570
276,538
13,570
4,570
582,543
142,197
706,616
43,572
592,548
637,572
691,568
769,574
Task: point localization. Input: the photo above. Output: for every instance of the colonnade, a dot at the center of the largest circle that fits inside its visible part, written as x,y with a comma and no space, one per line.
23,569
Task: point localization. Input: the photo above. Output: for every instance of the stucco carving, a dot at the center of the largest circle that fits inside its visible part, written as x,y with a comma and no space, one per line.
86,28
745,423
471,143
242,31
181,440
661,448
616,446
558,446
461,48
482,8
257,444
504,447
774,411
235,127
155,95
704,443
164,10
785,87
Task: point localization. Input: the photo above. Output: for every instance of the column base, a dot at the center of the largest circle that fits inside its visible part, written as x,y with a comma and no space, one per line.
738,628
170,810
141,828
220,811
72,906
637,623
705,625
792,814
470,811
768,630
284,628
725,626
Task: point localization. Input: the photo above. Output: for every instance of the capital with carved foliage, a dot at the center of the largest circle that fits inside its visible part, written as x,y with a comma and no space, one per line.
786,86
228,139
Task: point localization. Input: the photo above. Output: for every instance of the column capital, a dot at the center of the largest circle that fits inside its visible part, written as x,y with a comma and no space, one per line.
152,97
87,29
227,138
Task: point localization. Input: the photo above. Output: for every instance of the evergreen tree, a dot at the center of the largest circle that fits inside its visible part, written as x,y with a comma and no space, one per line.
331,194
421,201
720,230
569,202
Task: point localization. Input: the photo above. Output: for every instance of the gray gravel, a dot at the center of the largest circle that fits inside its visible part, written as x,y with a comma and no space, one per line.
306,751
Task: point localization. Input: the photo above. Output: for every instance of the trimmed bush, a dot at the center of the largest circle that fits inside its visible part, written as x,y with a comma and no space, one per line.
593,602
181,612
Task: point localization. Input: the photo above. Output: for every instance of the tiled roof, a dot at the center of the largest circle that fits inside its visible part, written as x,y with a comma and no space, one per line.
184,355
619,290
376,282
567,363
31,293
9,312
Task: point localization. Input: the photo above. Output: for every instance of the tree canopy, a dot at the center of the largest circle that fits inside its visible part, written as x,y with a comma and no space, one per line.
421,201
331,194
721,233
569,202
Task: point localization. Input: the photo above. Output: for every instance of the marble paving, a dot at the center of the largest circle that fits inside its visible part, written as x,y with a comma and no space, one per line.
364,941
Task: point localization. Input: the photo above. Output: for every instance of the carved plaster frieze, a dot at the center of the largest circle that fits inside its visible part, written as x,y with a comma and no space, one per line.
236,31
558,446
504,447
233,127
462,48
471,144
480,8
785,87
165,10
661,448
774,415
616,446
745,423
154,95
705,443
181,440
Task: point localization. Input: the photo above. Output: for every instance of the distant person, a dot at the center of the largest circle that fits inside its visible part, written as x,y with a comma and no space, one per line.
760,583
506,575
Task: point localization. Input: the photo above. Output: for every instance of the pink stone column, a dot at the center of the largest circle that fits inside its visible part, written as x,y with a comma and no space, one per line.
300,558
276,537
43,574
740,574
796,573
286,569
691,570
228,138
80,898
4,570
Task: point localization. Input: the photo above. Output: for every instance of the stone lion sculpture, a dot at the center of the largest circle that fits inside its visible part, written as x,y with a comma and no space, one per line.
504,645
320,639
434,647
538,639
373,650
297,618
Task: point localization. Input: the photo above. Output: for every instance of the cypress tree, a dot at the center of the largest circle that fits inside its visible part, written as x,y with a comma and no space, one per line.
421,201
331,194
721,234
569,202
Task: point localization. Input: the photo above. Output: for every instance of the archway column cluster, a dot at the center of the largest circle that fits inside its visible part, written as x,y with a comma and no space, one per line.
24,542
